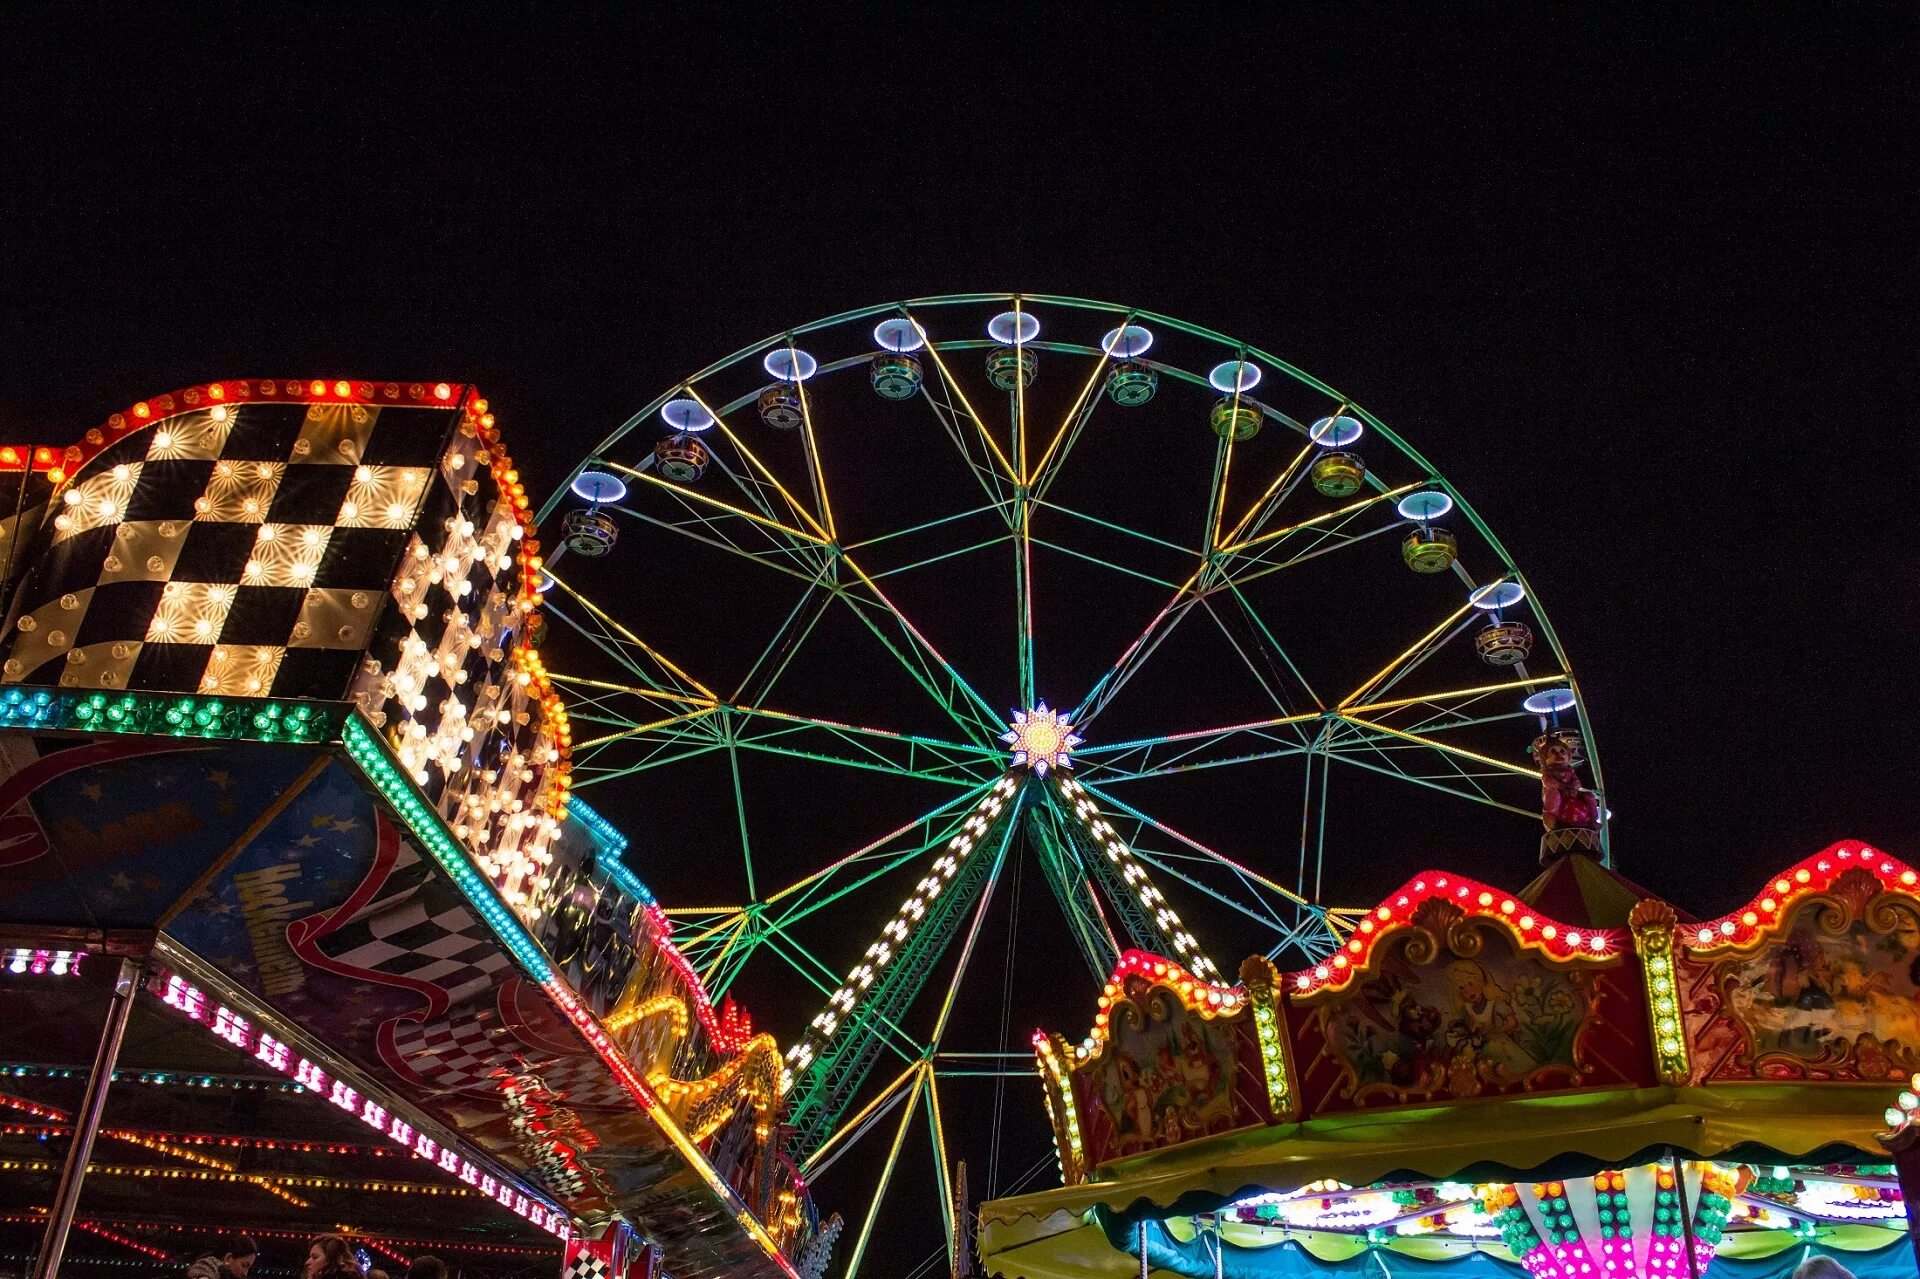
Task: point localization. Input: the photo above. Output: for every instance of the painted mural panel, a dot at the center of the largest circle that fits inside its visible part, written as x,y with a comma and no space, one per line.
1832,993
110,833
1166,1075
1455,1008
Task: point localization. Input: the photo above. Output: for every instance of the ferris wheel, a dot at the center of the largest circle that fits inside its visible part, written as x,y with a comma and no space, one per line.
864,617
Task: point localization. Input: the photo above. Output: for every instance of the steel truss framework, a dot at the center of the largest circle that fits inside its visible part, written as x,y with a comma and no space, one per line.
1104,858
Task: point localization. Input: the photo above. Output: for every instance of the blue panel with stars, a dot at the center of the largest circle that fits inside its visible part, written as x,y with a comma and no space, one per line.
110,833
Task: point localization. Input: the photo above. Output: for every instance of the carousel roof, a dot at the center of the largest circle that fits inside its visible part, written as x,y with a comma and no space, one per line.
1468,1056
1580,890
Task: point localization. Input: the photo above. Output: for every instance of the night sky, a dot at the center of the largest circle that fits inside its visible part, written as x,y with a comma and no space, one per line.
1643,291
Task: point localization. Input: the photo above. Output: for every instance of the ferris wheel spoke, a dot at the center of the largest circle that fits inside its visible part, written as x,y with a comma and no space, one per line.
870,749
810,445
1110,861
1430,783
1242,650
1446,710
1135,655
920,659
836,1055
1414,653
810,894
978,464
1396,754
791,636
704,527
1432,743
1110,565
954,394
1330,542
1245,874
1252,557
1163,756
696,498
1108,525
1054,457
1272,641
822,530
648,664
1262,508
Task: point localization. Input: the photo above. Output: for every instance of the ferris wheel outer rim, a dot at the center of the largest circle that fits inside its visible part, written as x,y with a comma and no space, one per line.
1246,351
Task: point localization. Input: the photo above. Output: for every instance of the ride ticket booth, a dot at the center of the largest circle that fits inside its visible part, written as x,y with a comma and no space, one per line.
300,928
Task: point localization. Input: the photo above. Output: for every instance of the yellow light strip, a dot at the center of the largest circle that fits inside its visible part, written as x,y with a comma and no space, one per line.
1351,508
1461,751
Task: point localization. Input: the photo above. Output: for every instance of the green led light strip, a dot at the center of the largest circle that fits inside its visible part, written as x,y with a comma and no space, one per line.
250,719
370,755
1257,974
1653,939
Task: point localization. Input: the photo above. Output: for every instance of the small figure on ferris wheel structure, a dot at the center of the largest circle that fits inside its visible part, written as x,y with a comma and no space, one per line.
1569,811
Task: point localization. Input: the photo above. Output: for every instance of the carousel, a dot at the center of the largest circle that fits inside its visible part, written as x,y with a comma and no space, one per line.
1574,1080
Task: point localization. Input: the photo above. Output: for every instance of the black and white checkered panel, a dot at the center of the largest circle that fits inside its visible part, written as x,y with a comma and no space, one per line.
238,549
440,678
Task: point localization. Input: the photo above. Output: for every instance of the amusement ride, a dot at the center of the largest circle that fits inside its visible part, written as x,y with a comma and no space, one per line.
871,613
649,883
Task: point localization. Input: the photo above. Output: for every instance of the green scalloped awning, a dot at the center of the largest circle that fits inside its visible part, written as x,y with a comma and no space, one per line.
1560,1135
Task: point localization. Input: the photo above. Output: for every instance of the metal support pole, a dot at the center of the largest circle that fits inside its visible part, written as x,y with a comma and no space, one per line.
86,1121
1686,1212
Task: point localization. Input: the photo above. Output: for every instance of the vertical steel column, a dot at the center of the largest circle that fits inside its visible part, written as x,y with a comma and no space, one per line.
86,1123
1686,1212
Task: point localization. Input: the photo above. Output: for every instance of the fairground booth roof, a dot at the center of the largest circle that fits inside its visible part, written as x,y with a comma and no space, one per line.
1476,1085
281,768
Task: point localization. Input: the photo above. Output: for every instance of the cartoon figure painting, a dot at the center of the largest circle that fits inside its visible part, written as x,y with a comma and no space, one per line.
1484,1023
1836,997
1167,1077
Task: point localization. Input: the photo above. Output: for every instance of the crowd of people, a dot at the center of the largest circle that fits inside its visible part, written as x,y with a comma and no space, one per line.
328,1257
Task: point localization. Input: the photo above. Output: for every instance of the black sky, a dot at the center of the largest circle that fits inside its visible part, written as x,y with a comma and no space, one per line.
1641,285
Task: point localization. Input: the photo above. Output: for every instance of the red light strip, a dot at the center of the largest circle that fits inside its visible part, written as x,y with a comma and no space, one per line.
23,457
1528,927
158,1254
1209,999
1752,922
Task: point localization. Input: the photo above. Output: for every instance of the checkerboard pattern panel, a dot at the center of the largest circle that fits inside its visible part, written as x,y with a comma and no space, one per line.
422,939
242,549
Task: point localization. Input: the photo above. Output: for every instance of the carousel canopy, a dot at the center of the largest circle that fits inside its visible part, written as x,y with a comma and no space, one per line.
1475,1082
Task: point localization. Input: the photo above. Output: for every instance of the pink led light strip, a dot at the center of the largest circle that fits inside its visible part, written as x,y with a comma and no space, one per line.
225,1023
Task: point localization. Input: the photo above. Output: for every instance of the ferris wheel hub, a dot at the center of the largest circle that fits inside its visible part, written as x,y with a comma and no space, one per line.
1042,739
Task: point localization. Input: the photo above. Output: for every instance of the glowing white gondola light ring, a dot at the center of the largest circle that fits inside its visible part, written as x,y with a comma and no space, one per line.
1495,596
1129,341
1012,328
1337,432
599,487
1234,375
1549,701
1424,506
790,364
690,416
899,335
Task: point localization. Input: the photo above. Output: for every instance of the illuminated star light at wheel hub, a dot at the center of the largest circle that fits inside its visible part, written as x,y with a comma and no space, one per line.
1041,739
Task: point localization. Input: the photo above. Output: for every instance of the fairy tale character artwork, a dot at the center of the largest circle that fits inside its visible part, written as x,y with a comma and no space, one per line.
1451,1008
1166,1077
1834,994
